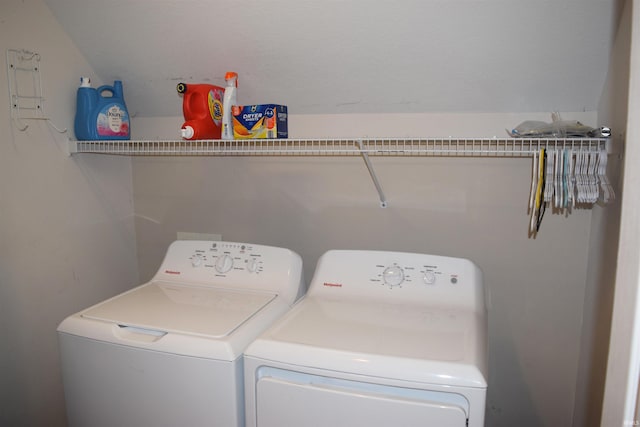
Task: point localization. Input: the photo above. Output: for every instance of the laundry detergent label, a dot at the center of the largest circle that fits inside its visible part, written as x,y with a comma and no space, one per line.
113,121
215,106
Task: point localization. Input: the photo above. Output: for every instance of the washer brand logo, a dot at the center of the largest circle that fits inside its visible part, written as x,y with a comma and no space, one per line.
171,272
333,285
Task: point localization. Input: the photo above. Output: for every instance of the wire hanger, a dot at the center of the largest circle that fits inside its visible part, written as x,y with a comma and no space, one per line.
538,206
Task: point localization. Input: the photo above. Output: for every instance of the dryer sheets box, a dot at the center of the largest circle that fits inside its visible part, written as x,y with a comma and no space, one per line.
263,121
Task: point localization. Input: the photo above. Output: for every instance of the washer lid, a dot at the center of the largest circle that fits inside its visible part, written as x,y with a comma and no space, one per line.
184,309
412,343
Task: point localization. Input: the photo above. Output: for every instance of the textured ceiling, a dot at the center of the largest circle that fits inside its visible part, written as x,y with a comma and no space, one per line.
351,56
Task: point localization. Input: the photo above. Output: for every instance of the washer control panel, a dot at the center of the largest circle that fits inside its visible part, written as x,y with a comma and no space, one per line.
231,264
222,258
398,277
399,274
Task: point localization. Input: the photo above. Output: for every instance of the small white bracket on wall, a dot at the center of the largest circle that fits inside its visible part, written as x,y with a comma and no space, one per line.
372,172
25,88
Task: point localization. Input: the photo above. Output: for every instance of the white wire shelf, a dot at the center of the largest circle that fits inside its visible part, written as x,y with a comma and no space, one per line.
362,147
460,147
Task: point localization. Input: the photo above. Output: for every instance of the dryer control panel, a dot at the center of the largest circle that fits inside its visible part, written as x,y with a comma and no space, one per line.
398,277
233,265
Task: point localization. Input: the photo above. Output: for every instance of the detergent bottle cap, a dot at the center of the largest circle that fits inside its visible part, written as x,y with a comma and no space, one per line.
85,82
231,78
187,132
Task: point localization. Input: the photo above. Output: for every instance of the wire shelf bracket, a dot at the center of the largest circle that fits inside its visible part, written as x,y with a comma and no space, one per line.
374,177
26,101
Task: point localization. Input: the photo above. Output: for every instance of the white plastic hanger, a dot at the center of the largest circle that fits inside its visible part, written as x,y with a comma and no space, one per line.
607,190
571,179
548,182
557,179
580,174
566,178
594,191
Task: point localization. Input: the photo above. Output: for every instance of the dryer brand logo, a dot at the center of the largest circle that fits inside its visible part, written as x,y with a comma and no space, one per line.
333,285
172,272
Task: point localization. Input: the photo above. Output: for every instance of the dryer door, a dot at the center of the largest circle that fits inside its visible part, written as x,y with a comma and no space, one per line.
296,399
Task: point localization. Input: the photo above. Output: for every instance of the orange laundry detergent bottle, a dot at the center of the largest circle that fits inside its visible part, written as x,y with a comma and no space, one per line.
202,110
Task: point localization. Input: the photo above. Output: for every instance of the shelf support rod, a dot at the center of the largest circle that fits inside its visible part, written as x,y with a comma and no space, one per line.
372,172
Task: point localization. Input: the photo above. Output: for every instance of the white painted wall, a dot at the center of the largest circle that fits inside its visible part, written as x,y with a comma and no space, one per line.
54,209
356,56
474,208
623,370
603,244
66,225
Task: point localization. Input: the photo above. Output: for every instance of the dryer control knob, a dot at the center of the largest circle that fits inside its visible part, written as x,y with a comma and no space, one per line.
224,263
429,277
196,260
252,265
393,275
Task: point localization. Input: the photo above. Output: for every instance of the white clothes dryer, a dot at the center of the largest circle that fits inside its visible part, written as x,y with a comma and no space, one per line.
170,352
380,339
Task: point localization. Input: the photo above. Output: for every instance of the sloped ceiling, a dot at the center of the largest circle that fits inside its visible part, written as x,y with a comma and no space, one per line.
351,56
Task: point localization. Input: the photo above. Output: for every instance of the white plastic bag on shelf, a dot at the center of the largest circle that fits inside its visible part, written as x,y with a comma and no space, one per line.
558,129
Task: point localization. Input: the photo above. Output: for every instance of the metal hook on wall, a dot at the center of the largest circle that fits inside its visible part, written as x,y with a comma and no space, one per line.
26,101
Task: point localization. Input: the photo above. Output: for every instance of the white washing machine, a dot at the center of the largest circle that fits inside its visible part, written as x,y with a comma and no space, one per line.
170,352
380,339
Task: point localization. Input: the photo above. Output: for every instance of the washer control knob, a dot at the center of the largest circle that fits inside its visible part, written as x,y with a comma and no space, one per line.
196,260
429,277
224,263
393,275
252,265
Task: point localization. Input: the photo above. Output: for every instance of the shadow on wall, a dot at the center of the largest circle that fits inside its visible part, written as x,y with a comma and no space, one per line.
509,380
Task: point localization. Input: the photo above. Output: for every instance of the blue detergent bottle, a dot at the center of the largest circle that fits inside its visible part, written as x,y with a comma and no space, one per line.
101,114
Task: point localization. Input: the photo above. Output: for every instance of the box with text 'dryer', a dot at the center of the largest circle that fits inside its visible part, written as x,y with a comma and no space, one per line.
264,121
